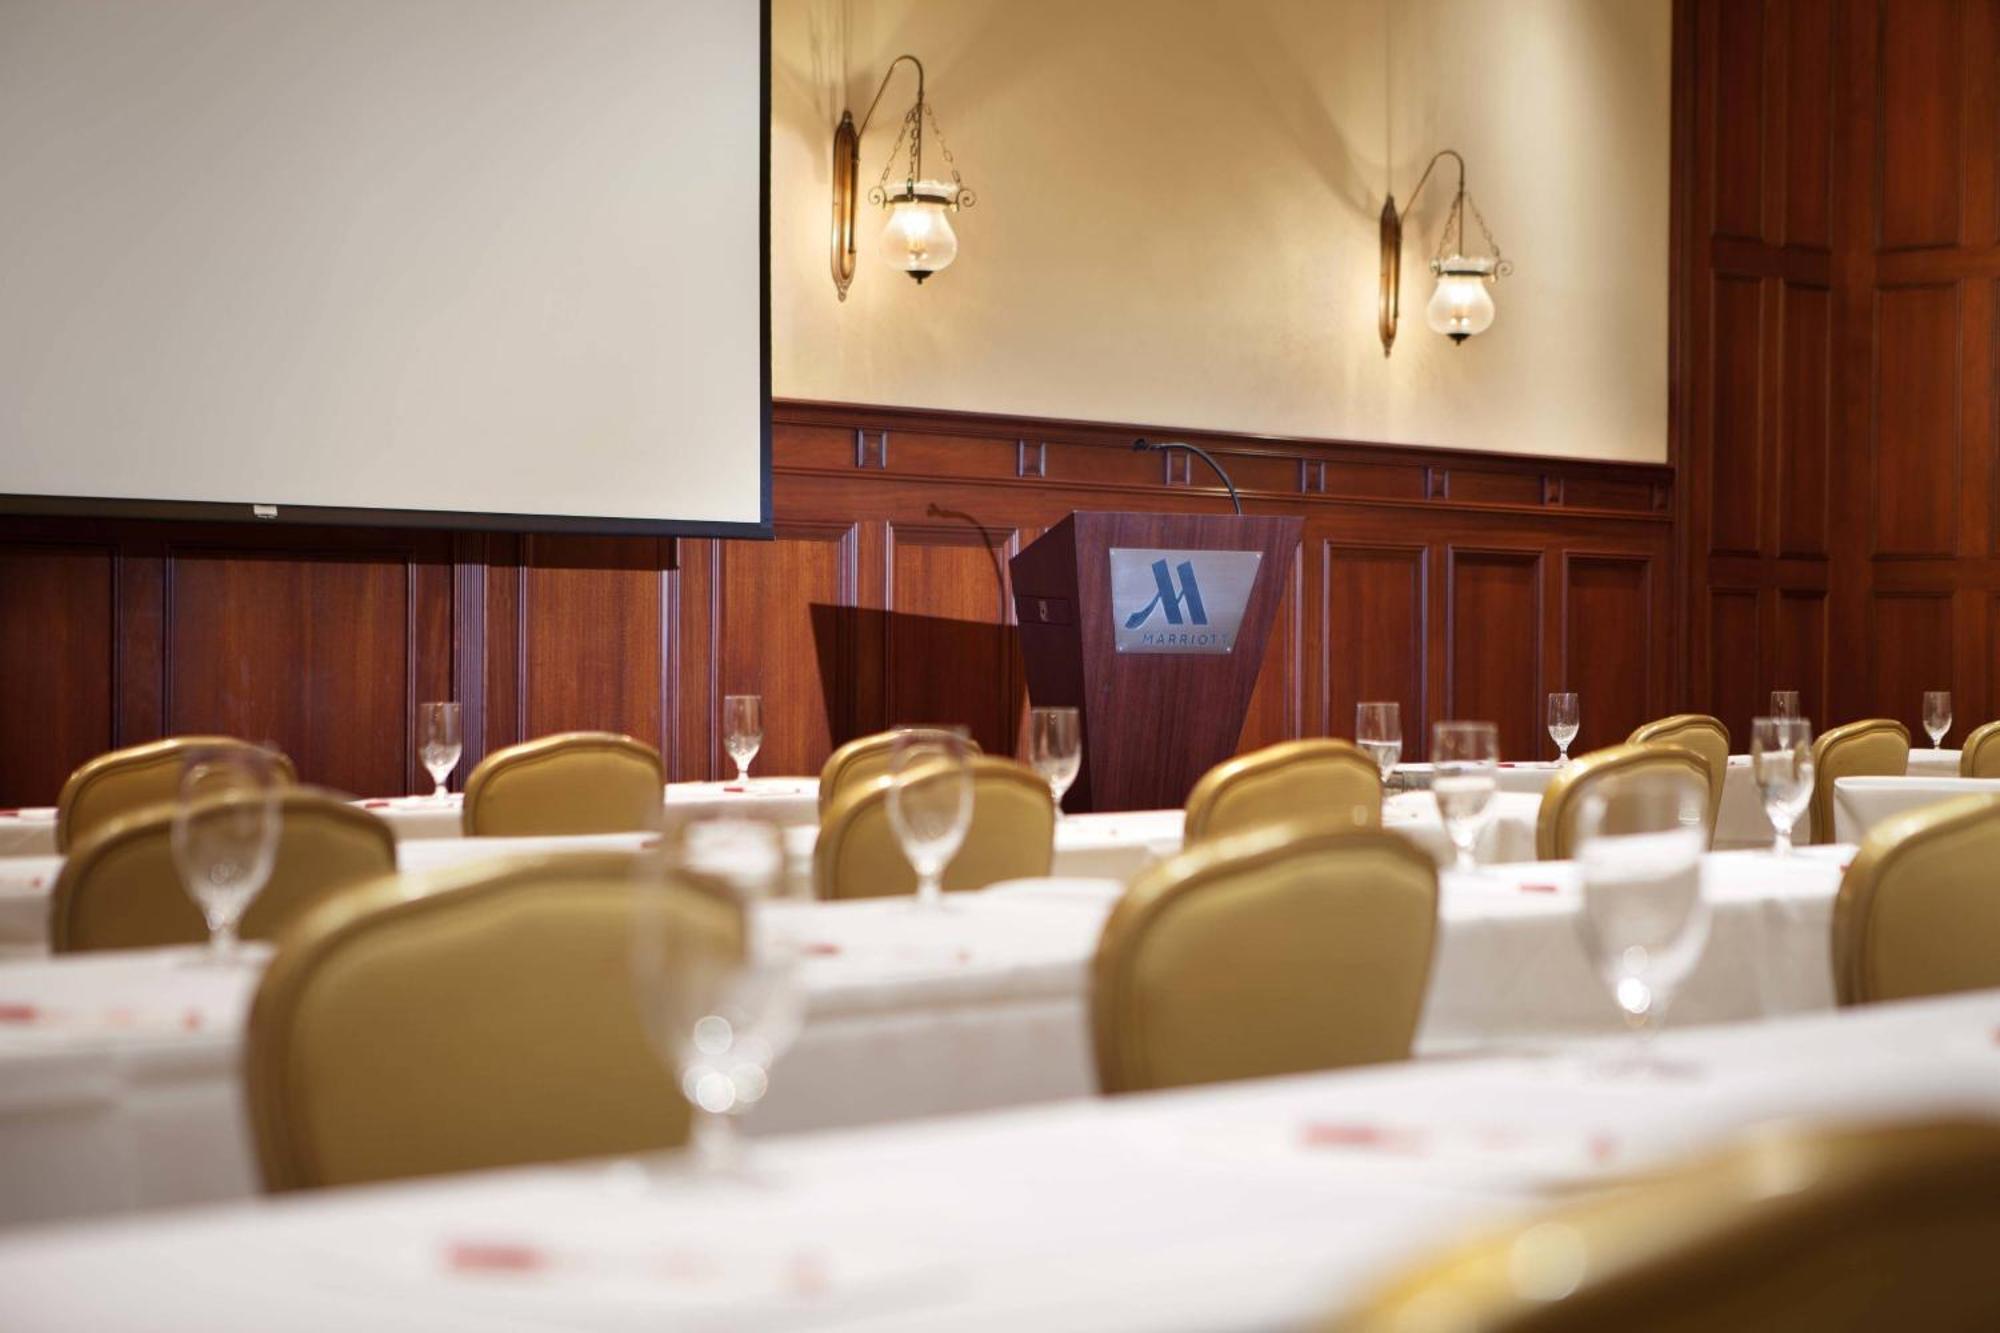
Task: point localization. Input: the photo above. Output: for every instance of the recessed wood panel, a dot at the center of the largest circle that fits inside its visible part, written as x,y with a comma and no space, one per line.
1912,642
1375,635
1735,687
1803,420
312,653
1738,90
1736,471
1495,619
950,653
1808,121
1273,714
787,630
1798,655
593,655
1609,650
56,666
1920,171
1916,462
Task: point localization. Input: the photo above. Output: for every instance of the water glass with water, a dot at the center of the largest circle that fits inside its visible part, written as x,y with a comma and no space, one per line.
1782,763
1937,716
1466,760
930,803
1378,730
1562,723
440,742
742,730
225,837
1055,748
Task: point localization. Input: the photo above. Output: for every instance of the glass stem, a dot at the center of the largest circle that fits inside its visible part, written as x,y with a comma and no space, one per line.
222,941
930,889
1468,864
440,794
717,1142
742,771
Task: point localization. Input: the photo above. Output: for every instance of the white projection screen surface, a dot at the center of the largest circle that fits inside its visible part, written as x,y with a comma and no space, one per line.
470,263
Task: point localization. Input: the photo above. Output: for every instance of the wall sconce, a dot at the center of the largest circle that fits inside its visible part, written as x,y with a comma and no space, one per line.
1461,306
918,238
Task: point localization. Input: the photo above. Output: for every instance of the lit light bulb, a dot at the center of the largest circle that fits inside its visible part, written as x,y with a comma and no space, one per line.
1461,306
918,238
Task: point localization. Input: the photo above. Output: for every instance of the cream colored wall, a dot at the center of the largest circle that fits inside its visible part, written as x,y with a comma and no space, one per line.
1177,214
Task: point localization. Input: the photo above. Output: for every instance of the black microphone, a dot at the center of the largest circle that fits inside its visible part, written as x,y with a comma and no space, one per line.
1143,445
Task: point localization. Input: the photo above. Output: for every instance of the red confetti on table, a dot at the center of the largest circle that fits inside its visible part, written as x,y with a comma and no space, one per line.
1322,1134
1540,888
10,814
494,1257
192,1020
376,805
736,789
19,1013
821,949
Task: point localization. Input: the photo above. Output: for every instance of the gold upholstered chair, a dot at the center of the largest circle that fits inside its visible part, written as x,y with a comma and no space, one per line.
1555,823
131,779
1875,748
858,763
1793,1230
1699,732
1288,948
1979,756
484,1017
119,888
1319,781
1917,914
573,782
1012,836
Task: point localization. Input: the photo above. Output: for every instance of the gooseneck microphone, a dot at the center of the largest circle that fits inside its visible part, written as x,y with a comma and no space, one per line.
1144,445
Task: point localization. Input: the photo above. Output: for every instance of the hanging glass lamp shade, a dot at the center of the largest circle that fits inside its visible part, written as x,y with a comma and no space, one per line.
918,238
1461,306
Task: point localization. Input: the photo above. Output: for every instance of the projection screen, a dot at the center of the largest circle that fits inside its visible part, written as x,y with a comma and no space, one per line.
464,263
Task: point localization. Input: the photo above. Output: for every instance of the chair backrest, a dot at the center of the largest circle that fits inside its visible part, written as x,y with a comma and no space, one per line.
483,1018
119,888
1012,836
1876,748
1288,948
858,763
1320,780
573,782
1555,824
1979,756
123,781
1699,732
1792,1231
1917,913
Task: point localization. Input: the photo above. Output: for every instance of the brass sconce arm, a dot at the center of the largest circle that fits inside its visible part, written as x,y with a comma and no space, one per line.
1451,241
847,171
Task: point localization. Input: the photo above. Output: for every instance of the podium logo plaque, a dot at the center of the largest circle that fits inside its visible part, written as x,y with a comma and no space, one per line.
1179,601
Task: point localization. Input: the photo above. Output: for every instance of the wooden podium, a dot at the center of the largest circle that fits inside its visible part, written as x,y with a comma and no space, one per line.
1153,626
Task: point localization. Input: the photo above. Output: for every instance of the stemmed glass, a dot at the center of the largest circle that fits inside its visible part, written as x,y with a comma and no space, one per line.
439,742
1785,703
742,730
721,1017
1466,756
930,803
1781,760
1562,724
1937,716
1055,748
1378,730
1644,921
225,837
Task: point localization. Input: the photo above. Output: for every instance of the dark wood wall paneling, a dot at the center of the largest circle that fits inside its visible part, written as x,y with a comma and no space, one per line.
1460,584
1838,252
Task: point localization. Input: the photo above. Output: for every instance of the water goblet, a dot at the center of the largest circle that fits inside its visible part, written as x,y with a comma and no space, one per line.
1378,730
1782,763
1562,723
225,837
742,730
1937,716
440,742
1055,748
930,804
1466,759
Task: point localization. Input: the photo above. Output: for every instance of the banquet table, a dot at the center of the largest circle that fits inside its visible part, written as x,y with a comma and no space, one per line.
1249,1205
31,831
1741,822
1859,804
119,1069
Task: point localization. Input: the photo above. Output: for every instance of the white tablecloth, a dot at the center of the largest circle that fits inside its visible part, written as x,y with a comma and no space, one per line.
1859,804
1244,1206
909,1014
1529,776
1741,822
29,831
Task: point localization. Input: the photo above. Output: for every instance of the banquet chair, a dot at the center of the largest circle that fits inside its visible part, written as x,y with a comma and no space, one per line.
122,781
859,762
1876,748
1979,756
479,1018
569,783
1287,948
1916,914
1794,1230
1699,732
1319,780
1555,823
1012,836
119,887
